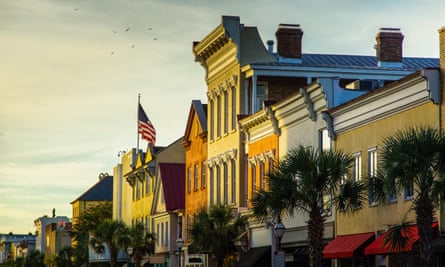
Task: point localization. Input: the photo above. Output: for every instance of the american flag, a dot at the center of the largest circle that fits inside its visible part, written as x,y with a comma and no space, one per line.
145,127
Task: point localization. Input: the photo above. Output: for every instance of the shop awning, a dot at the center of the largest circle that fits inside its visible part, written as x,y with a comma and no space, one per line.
379,247
347,246
255,257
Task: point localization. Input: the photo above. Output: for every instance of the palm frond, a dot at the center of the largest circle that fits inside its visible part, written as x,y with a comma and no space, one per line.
350,196
398,237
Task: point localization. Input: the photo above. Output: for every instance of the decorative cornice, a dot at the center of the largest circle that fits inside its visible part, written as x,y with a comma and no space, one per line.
211,44
395,98
309,105
271,115
223,157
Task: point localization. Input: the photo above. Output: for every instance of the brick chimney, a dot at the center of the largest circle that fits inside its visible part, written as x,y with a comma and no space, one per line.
442,48
289,38
389,47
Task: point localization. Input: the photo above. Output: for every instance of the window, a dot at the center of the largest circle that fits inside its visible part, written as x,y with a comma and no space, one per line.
233,108
391,197
408,191
218,116
226,112
147,224
203,175
357,167
260,96
189,179
372,172
166,234
253,173
245,179
189,225
233,176
138,189
212,186
147,184
226,183
325,140
158,235
218,184
262,179
212,119
195,182
327,204
162,235
271,164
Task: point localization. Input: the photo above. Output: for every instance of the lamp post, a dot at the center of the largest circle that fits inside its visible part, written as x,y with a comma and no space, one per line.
279,232
129,252
179,245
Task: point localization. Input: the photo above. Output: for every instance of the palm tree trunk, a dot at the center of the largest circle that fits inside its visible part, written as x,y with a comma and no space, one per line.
315,238
137,258
113,257
424,217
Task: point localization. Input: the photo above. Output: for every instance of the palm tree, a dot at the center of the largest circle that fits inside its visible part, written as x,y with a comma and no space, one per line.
109,233
86,223
415,157
140,241
299,182
216,230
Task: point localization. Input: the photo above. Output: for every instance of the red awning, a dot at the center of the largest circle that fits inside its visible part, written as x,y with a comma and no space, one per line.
347,246
379,247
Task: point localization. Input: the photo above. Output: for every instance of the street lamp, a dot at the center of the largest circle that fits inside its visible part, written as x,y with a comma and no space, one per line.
279,232
129,252
179,245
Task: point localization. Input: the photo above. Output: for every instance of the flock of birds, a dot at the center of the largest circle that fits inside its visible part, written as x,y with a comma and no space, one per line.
126,30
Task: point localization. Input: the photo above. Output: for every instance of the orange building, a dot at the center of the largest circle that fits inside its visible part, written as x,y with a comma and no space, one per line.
195,145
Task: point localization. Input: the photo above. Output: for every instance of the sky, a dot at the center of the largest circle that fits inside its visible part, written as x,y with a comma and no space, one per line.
71,72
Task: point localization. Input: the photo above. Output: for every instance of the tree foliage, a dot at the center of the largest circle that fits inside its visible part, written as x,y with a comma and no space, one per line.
109,234
215,231
414,157
86,222
299,182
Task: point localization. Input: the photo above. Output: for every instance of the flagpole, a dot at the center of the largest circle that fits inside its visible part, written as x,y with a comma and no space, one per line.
137,124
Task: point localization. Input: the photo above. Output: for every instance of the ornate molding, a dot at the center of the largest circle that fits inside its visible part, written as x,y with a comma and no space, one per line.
309,105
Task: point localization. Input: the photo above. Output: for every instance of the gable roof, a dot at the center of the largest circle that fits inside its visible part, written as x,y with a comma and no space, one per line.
173,183
101,191
200,110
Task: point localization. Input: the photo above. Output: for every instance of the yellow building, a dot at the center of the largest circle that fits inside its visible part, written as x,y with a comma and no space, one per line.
360,127
222,53
99,193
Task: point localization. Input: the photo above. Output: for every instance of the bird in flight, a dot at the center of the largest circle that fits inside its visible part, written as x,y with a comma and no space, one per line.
114,31
76,9
132,46
112,53
127,29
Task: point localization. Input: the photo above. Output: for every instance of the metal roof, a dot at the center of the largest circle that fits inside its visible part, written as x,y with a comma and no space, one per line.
354,61
101,191
173,183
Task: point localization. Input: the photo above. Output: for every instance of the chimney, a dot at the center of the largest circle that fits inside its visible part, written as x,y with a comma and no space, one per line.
289,38
442,48
389,47
270,46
